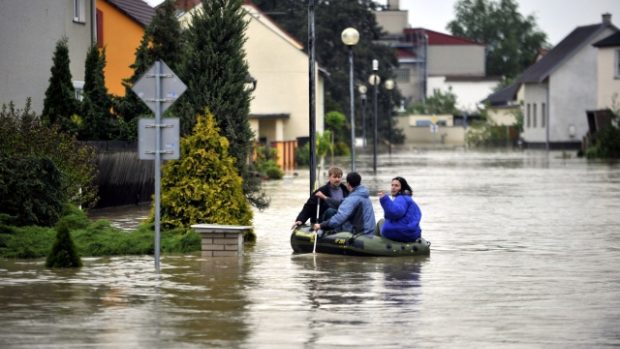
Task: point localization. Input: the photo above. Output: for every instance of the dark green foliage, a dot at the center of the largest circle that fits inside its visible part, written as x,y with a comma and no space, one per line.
336,122
215,72
162,40
265,162
512,41
302,155
30,190
606,144
331,18
60,103
96,107
63,254
22,135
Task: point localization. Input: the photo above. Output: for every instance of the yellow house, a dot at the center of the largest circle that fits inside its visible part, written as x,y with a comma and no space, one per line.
120,27
279,110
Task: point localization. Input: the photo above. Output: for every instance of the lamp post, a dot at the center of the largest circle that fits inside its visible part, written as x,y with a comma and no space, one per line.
389,86
350,37
362,90
374,80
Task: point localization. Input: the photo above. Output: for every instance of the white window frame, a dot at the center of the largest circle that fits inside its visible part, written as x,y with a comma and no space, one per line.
78,86
534,114
79,11
543,116
527,116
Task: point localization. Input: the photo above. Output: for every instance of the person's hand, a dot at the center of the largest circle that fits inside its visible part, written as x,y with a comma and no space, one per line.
295,225
320,195
381,194
316,226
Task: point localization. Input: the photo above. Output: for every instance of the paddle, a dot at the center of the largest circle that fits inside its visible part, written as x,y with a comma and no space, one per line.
316,232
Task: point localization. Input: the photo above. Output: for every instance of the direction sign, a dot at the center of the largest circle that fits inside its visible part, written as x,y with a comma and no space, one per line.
171,87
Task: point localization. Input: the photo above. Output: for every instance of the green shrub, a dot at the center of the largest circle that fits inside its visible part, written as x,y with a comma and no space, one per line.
203,186
606,145
64,253
265,163
30,190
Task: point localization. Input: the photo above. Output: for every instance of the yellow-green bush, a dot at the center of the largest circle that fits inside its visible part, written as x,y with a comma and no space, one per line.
203,186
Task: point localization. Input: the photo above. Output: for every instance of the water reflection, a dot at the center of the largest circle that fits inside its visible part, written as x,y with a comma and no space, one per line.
525,254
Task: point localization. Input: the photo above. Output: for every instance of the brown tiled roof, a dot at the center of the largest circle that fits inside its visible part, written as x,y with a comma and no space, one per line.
138,10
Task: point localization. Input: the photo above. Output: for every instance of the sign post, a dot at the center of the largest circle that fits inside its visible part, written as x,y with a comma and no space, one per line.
158,88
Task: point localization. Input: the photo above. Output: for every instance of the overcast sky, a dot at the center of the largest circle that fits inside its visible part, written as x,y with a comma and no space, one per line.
557,18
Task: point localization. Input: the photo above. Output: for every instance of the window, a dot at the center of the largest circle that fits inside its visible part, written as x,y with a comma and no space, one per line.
527,116
79,11
78,86
543,115
617,68
99,28
402,75
534,115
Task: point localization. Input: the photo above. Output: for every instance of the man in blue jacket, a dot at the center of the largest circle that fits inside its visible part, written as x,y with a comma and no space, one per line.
355,213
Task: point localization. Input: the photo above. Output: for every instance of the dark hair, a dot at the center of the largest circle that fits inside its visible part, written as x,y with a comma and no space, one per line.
354,179
404,186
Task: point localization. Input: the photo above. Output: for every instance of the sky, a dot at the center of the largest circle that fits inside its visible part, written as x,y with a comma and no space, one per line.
557,18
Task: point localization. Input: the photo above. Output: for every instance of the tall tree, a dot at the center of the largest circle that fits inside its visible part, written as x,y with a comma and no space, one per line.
162,40
60,103
512,41
97,118
331,18
215,73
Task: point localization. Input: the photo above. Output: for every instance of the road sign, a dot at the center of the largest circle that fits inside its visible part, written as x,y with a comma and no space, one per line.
171,87
169,134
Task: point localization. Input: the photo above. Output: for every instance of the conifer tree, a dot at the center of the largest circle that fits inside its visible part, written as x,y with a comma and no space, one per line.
64,253
162,40
60,103
97,118
215,72
203,185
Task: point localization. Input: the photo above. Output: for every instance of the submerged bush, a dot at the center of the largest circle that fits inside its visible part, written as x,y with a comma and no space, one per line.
63,254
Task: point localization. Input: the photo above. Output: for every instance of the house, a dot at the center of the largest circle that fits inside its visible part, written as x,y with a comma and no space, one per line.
29,31
560,87
504,105
120,28
608,72
279,110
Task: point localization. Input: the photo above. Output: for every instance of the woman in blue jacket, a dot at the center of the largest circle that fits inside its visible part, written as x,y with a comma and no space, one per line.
402,215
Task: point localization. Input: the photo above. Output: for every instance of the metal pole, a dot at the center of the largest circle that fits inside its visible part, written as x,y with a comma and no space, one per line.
312,95
158,99
352,108
389,115
364,120
374,140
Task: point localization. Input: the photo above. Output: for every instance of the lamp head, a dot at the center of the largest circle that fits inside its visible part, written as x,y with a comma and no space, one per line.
350,36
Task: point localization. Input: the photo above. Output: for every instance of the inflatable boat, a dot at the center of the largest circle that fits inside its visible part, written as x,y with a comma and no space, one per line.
302,241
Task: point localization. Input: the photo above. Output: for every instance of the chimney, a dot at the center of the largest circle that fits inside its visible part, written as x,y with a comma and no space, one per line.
607,18
393,5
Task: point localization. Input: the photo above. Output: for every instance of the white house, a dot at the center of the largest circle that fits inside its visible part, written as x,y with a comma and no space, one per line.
560,87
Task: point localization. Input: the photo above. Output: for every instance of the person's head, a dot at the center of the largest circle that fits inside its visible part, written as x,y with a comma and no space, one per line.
354,179
335,176
400,186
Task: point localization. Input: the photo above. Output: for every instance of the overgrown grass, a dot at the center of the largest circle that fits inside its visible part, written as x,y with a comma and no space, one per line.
98,238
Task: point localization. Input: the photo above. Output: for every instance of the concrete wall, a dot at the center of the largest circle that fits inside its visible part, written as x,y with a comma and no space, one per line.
608,81
456,60
424,135
535,95
29,31
468,93
503,116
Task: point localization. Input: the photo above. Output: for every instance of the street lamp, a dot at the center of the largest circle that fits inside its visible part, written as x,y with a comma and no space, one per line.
374,80
362,89
350,37
389,86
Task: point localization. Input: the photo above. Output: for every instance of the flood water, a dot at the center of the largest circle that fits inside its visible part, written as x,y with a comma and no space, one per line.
525,254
